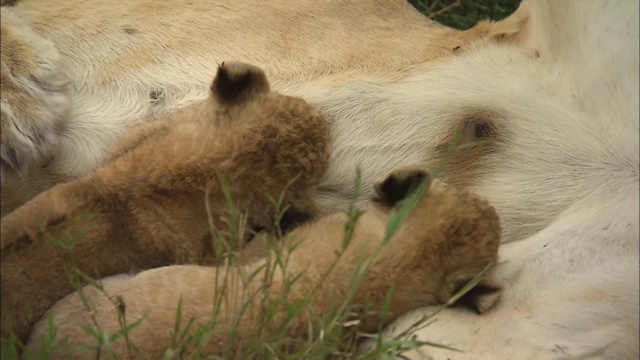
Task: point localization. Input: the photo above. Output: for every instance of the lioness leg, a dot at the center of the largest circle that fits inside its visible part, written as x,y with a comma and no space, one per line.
34,96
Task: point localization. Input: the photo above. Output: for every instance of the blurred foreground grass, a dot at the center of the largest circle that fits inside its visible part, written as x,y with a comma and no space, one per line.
463,14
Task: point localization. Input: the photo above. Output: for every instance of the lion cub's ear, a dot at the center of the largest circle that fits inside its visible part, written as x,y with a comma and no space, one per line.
236,82
398,185
483,296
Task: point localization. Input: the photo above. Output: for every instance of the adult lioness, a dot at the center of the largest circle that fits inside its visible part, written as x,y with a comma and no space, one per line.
547,102
65,100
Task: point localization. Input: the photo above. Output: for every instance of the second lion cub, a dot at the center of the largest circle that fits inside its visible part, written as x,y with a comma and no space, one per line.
231,312
145,206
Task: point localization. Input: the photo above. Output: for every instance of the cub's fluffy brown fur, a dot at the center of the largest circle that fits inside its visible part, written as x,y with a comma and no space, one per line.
145,206
447,239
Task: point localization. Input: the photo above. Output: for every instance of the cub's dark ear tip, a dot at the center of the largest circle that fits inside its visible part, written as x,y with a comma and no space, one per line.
236,82
399,185
222,81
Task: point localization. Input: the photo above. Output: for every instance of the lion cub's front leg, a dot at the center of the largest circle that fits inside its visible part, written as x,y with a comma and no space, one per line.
145,207
34,97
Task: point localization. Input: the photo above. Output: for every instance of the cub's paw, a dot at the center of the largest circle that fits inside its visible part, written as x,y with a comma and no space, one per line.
34,97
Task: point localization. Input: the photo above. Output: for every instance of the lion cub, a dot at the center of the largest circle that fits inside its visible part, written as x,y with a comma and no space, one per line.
448,237
148,205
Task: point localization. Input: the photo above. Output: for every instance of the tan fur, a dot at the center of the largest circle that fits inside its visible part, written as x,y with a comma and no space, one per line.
326,47
447,239
35,99
146,206
557,79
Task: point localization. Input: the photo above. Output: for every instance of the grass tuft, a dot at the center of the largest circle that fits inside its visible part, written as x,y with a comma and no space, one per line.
463,14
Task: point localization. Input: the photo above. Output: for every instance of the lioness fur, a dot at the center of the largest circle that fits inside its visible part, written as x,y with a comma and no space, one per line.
545,103
152,201
447,239
38,148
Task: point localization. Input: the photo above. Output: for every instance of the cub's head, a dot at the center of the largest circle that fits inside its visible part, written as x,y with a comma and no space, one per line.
237,82
453,234
283,138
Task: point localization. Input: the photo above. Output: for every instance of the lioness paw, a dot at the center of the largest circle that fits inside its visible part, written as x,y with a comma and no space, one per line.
34,97
236,82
